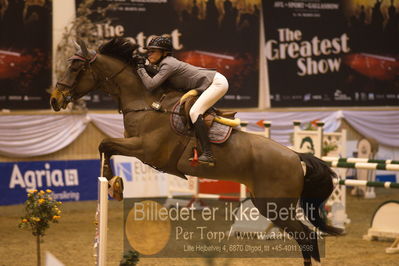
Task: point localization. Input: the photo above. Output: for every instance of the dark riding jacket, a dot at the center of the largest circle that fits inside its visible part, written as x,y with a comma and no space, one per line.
180,75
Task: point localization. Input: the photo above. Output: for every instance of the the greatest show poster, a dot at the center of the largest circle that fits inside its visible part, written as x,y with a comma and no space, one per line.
215,34
25,53
332,53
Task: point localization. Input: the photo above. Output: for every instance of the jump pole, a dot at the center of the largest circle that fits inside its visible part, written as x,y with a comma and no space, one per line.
219,197
358,160
102,221
101,218
365,183
369,166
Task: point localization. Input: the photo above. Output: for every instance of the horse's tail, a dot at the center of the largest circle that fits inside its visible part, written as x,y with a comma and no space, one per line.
318,186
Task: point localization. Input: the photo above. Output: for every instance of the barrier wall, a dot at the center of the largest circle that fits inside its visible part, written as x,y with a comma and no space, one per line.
71,172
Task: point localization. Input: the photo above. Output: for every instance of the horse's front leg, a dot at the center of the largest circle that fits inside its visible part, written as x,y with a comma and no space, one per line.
117,146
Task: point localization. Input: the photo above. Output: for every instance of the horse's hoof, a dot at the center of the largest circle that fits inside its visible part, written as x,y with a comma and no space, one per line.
116,188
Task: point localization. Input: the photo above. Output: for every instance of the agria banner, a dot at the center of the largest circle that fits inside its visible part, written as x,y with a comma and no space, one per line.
70,180
217,34
331,53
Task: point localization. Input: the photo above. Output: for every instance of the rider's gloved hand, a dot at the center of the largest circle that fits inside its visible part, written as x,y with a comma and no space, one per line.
139,60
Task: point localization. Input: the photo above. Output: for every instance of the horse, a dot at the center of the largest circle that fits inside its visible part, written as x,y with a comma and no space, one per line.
271,171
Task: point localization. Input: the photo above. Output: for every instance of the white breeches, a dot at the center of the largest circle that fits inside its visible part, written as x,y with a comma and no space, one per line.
210,96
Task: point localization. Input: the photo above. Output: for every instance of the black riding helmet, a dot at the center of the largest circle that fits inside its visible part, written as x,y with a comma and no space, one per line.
161,42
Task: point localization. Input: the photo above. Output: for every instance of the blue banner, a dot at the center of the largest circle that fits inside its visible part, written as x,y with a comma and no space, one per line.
70,180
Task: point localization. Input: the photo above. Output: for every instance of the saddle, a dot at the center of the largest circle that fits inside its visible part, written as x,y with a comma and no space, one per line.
220,123
213,114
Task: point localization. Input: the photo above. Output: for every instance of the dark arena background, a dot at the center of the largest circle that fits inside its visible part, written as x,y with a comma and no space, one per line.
315,81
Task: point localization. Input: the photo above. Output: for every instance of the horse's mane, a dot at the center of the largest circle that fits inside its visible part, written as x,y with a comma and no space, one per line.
120,48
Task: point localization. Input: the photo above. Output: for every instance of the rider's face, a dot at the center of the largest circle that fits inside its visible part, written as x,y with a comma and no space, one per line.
154,55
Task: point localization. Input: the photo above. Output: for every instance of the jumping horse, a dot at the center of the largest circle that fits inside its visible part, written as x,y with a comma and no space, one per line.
271,171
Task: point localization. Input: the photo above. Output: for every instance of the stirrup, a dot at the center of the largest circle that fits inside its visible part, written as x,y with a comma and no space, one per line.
194,160
195,163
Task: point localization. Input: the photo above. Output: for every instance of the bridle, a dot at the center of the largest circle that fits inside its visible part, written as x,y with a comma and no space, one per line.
69,85
100,80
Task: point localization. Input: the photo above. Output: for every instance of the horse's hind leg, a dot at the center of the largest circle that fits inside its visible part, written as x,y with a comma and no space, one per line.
281,213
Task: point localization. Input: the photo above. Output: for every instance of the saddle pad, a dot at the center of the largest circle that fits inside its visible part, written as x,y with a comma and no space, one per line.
218,133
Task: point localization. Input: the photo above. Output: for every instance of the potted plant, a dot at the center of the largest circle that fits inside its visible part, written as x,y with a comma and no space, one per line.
40,211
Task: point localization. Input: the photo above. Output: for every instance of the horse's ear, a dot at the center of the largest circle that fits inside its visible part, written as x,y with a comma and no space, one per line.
82,45
77,47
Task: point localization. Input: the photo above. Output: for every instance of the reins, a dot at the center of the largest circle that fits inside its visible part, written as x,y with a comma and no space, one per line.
101,79
105,79
151,109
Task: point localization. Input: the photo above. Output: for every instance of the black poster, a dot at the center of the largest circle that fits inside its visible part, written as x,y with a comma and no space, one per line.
25,53
332,53
219,34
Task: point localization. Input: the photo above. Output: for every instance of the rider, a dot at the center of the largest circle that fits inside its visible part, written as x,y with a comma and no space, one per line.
211,85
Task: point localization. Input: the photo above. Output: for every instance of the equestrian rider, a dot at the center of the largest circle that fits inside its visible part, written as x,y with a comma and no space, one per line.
193,80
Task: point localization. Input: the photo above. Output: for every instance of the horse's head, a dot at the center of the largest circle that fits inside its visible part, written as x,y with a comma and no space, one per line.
77,80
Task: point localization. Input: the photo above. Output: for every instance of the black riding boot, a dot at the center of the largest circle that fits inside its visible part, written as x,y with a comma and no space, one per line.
202,134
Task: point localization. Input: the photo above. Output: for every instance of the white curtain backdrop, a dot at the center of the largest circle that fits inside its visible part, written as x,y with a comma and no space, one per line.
33,135
383,126
110,124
